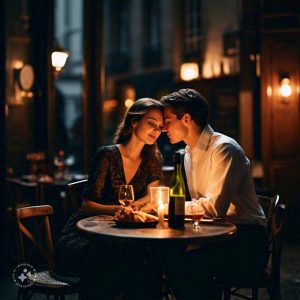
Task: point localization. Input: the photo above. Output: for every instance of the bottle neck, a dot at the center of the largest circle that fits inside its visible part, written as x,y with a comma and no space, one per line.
177,168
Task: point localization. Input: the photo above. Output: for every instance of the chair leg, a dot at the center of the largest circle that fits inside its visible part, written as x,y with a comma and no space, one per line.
255,293
227,293
23,294
275,294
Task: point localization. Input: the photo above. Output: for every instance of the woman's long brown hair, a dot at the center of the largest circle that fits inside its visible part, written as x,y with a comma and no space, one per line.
135,113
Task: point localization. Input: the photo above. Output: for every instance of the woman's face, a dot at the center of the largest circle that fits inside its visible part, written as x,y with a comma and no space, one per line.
148,129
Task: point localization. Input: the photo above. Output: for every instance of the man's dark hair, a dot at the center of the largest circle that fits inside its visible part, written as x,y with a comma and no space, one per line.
188,101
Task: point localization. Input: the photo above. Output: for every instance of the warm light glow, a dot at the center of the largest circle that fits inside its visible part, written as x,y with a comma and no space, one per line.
159,197
189,71
18,64
160,212
207,71
128,102
109,104
216,69
285,87
226,67
269,90
59,59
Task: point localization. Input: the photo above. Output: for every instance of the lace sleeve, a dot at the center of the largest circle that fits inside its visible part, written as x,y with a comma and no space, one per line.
97,172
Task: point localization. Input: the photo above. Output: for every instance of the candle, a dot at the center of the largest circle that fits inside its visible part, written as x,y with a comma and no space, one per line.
160,212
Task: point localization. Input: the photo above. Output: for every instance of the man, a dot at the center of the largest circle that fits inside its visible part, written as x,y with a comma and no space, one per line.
219,180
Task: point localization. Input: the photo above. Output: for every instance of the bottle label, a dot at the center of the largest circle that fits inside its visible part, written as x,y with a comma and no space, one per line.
179,205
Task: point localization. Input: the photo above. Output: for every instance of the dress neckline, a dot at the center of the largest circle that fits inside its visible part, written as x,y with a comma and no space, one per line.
122,167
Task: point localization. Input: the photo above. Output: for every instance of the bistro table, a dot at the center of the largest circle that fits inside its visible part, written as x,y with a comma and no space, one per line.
105,228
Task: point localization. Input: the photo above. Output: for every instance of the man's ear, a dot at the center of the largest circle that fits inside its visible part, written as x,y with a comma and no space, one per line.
186,118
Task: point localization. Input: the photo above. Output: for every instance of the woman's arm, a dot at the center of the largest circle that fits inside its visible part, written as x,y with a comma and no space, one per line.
142,202
97,174
92,208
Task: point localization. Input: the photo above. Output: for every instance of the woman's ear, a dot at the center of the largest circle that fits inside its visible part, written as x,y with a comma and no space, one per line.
134,123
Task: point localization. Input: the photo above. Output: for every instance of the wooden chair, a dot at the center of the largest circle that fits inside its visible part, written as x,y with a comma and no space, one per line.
268,205
33,223
270,277
75,192
73,199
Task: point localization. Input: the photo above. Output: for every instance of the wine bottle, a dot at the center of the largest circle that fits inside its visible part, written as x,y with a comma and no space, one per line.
177,195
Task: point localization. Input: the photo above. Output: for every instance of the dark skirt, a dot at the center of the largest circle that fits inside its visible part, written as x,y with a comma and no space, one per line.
106,269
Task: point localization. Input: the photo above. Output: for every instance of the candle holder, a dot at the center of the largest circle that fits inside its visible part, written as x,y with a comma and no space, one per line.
160,201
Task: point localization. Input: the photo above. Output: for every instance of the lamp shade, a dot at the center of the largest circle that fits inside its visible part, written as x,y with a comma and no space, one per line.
189,71
58,58
285,87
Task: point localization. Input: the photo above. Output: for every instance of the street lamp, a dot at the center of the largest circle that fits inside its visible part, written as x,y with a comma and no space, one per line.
58,58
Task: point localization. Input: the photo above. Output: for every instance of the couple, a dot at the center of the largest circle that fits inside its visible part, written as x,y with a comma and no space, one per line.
219,178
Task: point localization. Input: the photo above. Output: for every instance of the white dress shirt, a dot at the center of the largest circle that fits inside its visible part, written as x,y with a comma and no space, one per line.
219,176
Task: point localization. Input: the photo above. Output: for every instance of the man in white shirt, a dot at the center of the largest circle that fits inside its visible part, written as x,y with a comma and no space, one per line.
219,180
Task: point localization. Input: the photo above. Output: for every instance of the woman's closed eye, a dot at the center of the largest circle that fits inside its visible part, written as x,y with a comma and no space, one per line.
157,127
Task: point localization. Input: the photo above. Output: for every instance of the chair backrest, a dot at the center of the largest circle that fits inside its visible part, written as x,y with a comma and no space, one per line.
37,231
75,190
276,242
268,205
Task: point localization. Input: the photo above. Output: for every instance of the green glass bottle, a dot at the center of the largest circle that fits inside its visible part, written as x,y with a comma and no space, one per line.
177,195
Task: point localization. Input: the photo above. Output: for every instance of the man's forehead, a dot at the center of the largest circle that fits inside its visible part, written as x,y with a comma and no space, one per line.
168,112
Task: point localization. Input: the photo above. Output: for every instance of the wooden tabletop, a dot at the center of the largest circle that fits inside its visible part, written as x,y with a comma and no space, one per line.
105,227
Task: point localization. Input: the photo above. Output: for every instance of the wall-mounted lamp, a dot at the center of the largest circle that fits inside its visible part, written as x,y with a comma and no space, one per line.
189,71
58,58
285,87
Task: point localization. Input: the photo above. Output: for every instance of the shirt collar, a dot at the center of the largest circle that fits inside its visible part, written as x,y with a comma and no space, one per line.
203,140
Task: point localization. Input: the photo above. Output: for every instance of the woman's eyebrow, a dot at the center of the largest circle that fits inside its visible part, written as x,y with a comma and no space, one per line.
152,118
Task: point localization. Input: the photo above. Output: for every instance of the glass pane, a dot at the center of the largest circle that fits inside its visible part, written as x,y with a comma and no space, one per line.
68,82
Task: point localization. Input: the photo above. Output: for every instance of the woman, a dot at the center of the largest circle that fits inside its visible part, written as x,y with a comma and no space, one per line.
133,159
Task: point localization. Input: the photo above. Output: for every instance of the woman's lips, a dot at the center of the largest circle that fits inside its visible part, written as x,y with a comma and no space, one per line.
152,137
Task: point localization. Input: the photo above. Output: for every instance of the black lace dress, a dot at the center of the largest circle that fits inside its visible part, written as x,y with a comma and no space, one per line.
75,253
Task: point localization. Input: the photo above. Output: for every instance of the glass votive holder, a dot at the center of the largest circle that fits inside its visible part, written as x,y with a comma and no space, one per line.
159,201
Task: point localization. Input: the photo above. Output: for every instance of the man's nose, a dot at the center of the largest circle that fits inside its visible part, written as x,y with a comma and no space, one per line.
165,128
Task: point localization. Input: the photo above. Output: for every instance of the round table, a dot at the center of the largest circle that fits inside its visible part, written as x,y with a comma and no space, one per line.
160,239
106,228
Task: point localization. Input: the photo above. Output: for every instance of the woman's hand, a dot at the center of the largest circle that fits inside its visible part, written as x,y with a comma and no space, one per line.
139,205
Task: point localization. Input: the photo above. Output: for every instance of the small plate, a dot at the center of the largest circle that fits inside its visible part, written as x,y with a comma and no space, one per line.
203,220
127,224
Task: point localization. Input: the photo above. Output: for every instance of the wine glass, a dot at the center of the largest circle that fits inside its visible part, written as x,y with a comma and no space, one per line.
196,212
126,194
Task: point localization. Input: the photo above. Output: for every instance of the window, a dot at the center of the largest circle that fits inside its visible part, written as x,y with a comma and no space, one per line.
152,43
68,34
192,30
118,40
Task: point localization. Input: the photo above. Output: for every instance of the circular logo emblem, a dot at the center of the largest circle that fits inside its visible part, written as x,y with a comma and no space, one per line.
22,273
